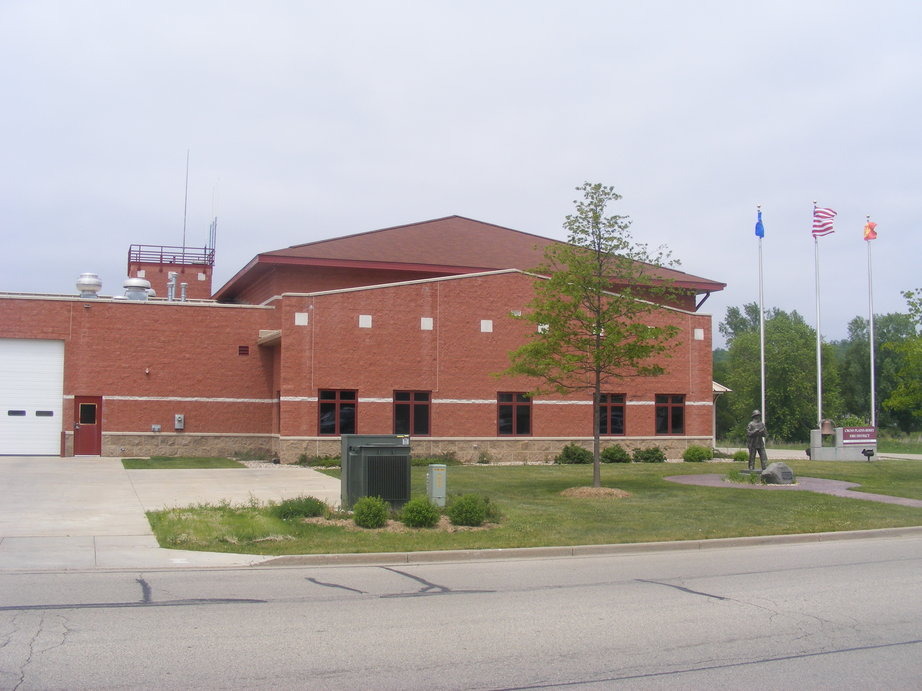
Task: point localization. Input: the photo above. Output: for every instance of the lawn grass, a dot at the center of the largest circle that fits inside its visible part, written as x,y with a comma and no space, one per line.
179,463
898,446
535,514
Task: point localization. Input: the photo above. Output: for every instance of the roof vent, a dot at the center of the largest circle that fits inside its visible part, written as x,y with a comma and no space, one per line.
89,285
136,288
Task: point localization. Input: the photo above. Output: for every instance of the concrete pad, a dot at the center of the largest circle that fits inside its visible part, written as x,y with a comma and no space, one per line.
164,489
68,497
83,513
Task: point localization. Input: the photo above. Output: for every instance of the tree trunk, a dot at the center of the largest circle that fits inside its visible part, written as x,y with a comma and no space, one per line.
596,441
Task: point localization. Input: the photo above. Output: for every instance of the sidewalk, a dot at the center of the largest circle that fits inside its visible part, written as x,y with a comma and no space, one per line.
801,455
84,513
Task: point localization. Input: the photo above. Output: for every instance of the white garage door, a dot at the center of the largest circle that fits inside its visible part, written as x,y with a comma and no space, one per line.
31,396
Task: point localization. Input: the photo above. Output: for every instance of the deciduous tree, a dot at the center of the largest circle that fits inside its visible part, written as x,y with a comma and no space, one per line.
907,396
790,374
590,308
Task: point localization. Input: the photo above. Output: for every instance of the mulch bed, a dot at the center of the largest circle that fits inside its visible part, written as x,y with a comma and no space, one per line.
596,492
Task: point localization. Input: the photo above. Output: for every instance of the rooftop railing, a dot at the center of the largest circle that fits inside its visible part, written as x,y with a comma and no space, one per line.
165,254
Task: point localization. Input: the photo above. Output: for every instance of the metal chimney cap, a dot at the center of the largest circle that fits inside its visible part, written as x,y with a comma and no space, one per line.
89,284
141,283
136,288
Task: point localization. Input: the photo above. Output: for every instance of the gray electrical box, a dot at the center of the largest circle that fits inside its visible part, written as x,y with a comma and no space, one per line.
436,484
179,421
375,465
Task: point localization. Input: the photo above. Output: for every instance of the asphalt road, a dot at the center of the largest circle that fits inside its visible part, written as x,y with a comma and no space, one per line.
839,614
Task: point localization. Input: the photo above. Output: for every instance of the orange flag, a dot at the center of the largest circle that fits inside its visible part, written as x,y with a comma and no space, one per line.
869,231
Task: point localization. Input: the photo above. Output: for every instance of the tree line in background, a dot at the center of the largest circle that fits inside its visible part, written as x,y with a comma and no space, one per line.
790,373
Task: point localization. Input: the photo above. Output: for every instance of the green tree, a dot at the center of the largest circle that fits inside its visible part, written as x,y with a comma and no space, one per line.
854,364
790,375
906,397
739,320
591,308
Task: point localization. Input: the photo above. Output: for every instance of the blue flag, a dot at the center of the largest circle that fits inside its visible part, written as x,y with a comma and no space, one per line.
760,229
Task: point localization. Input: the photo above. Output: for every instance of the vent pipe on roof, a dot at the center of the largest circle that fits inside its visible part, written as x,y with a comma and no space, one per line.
136,289
171,285
89,285
183,287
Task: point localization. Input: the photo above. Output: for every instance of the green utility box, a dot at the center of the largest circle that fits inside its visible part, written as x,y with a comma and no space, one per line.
375,465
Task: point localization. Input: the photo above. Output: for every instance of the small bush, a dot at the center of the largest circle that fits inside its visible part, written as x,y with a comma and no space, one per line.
697,454
484,458
468,509
449,458
370,512
615,454
319,461
653,454
741,456
574,453
299,507
420,513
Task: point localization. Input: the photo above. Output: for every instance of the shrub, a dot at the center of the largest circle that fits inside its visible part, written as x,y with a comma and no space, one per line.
653,454
484,458
741,456
420,513
448,458
615,454
696,454
370,512
574,453
319,461
468,509
299,507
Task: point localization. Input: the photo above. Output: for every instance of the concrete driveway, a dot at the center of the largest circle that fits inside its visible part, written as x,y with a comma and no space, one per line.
84,513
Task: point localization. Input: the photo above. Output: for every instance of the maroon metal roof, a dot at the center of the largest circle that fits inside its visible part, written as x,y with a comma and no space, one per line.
449,245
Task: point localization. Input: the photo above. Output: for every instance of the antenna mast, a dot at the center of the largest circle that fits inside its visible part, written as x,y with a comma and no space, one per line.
185,204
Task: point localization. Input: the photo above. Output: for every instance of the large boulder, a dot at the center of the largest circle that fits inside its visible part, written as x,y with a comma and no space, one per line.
778,474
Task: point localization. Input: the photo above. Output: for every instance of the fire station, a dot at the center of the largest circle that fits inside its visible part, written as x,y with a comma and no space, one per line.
401,330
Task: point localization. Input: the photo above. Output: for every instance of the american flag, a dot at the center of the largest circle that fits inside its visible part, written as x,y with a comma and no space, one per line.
822,221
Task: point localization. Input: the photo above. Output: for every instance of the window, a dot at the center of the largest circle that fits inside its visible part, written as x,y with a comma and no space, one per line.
87,414
611,414
337,411
411,412
513,414
670,414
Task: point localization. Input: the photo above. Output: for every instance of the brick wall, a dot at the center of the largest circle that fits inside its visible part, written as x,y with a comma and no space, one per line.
457,361
152,360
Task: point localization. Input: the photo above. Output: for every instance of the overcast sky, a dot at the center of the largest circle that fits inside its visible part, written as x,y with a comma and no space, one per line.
310,120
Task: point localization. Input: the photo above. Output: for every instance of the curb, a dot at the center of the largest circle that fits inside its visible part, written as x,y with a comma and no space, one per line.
466,555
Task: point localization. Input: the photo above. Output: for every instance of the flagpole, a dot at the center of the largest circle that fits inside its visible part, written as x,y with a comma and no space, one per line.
871,332
819,357
761,324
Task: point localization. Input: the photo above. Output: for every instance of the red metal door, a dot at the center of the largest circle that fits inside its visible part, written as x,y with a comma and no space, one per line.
87,425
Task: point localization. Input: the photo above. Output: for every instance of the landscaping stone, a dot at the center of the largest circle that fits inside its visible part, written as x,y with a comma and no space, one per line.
778,474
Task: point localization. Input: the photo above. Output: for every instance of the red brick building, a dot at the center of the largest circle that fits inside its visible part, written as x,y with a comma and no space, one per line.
400,330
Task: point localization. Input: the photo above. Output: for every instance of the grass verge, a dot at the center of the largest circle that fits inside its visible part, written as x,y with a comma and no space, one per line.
535,514
179,463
